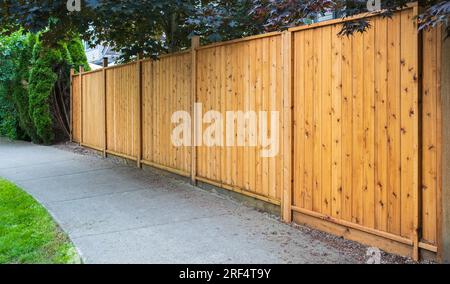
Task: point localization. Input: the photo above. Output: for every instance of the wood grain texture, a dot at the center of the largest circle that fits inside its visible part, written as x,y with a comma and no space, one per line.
76,104
356,126
93,109
245,76
122,109
431,144
166,87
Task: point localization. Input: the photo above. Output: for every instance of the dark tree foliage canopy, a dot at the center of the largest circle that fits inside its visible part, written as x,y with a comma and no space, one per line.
152,27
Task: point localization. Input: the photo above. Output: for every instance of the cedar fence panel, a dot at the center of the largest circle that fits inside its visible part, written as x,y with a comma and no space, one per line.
166,89
245,76
93,109
122,110
357,125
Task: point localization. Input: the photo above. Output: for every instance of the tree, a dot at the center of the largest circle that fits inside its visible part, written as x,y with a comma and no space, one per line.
149,27
141,27
437,13
152,27
225,20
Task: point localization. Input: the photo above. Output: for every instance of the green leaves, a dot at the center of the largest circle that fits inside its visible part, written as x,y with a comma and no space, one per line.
152,27
41,83
28,74
437,14
221,20
10,47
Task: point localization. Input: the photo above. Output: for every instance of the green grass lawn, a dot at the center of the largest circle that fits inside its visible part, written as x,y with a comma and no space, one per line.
28,233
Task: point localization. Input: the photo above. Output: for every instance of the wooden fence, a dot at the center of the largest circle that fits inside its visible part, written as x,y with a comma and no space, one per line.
359,124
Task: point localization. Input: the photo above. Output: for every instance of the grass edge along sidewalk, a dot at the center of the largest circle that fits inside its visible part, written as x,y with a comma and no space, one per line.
28,234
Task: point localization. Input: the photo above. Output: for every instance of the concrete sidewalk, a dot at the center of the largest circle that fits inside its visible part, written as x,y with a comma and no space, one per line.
119,214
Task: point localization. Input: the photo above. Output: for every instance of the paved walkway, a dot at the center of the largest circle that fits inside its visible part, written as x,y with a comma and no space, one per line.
115,213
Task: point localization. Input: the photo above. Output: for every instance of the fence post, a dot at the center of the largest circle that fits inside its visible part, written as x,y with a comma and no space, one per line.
105,124
72,71
139,114
286,200
81,70
195,43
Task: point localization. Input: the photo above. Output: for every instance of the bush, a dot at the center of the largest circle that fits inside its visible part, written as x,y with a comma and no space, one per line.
41,83
28,74
20,91
77,54
8,119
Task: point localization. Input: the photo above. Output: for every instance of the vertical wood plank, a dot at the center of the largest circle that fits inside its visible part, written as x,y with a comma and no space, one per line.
245,95
429,145
358,128
275,63
159,111
266,107
105,122
229,106
81,70
326,121
347,128
258,93
72,72
394,126
279,106
139,110
381,123
309,119
287,127
317,122
441,87
252,150
223,110
409,123
336,125
209,107
299,193
195,43
369,129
